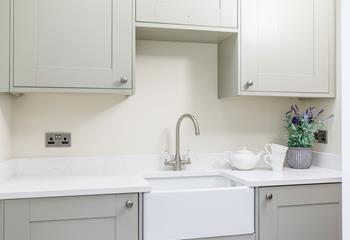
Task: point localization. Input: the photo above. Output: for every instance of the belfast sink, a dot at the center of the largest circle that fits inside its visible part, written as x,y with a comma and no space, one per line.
198,206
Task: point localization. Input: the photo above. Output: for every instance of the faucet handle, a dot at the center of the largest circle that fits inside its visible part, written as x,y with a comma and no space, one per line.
167,159
187,161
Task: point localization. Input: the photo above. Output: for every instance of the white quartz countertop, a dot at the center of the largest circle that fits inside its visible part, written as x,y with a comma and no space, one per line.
35,187
266,177
43,178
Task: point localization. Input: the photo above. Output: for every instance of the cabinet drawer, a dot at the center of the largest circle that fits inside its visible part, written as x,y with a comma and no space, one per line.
213,13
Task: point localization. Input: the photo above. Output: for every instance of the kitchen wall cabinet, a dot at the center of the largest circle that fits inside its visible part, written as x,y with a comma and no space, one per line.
72,218
4,45
285,49
73,46
211,13
300,212
288,48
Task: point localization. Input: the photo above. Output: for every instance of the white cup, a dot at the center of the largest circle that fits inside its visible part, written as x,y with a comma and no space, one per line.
276,161
275,148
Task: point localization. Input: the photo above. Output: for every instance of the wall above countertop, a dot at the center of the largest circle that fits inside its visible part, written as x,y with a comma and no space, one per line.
172,78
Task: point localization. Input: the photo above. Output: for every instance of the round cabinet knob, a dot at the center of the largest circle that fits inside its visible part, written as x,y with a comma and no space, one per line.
124,80
249,84
129,204
269,196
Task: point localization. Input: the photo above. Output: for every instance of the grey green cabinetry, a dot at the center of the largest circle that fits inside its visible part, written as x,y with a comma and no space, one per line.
240,237
45,47
4,45
1,220
307,212
104,217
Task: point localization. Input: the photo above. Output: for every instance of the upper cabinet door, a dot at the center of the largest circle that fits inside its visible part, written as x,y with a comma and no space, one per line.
212,13
84,44
288,46
4,45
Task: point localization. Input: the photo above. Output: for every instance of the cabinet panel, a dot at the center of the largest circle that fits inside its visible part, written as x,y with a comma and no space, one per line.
288,46
4,45
73,44
1,220
214,13
87,229
72,218
300,212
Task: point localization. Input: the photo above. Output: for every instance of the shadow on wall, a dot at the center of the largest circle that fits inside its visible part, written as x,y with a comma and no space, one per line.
171,79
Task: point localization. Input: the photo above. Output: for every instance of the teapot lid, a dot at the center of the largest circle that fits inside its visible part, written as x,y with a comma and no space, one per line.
244,150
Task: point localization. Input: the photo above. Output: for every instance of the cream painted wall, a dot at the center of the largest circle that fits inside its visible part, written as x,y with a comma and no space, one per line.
333,126
172,78
5,125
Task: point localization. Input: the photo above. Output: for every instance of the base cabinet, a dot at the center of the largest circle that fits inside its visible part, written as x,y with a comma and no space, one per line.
300,212
72,218
1,220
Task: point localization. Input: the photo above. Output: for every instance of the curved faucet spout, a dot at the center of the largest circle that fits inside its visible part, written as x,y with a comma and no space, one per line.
194,121
178,160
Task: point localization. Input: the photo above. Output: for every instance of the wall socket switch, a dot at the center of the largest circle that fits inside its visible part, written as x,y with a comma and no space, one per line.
57,139
322,136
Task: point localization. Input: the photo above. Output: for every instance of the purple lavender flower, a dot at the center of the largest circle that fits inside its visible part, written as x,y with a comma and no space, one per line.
320,112
297,108
295,120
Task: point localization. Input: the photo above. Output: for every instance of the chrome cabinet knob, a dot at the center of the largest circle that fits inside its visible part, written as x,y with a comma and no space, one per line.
129,204
249,84
124,80
269,196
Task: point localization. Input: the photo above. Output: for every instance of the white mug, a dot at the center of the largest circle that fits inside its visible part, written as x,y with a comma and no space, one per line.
276,161
275,148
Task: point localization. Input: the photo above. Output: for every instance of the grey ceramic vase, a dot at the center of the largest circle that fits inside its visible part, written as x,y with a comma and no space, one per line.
299,158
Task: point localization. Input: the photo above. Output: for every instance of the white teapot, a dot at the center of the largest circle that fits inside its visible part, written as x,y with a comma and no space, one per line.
243,159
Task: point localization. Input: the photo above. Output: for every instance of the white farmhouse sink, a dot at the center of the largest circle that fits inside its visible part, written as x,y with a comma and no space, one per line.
187,207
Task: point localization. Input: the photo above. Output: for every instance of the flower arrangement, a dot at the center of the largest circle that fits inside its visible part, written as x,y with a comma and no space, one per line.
302,126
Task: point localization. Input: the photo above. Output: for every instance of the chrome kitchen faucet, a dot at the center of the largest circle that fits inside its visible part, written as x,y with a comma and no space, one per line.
178,162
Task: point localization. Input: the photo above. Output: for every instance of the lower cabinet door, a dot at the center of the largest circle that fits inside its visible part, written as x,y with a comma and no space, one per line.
72,218
308,212
1,220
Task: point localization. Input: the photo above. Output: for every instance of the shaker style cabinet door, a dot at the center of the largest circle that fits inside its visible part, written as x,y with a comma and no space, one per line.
84,44
288,47
213,13
1,220
300,212
4,45
72,218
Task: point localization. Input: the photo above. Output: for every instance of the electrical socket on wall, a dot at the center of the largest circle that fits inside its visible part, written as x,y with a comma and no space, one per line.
322,136
57,139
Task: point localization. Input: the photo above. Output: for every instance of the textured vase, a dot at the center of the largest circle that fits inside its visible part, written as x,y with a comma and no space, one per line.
299,158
